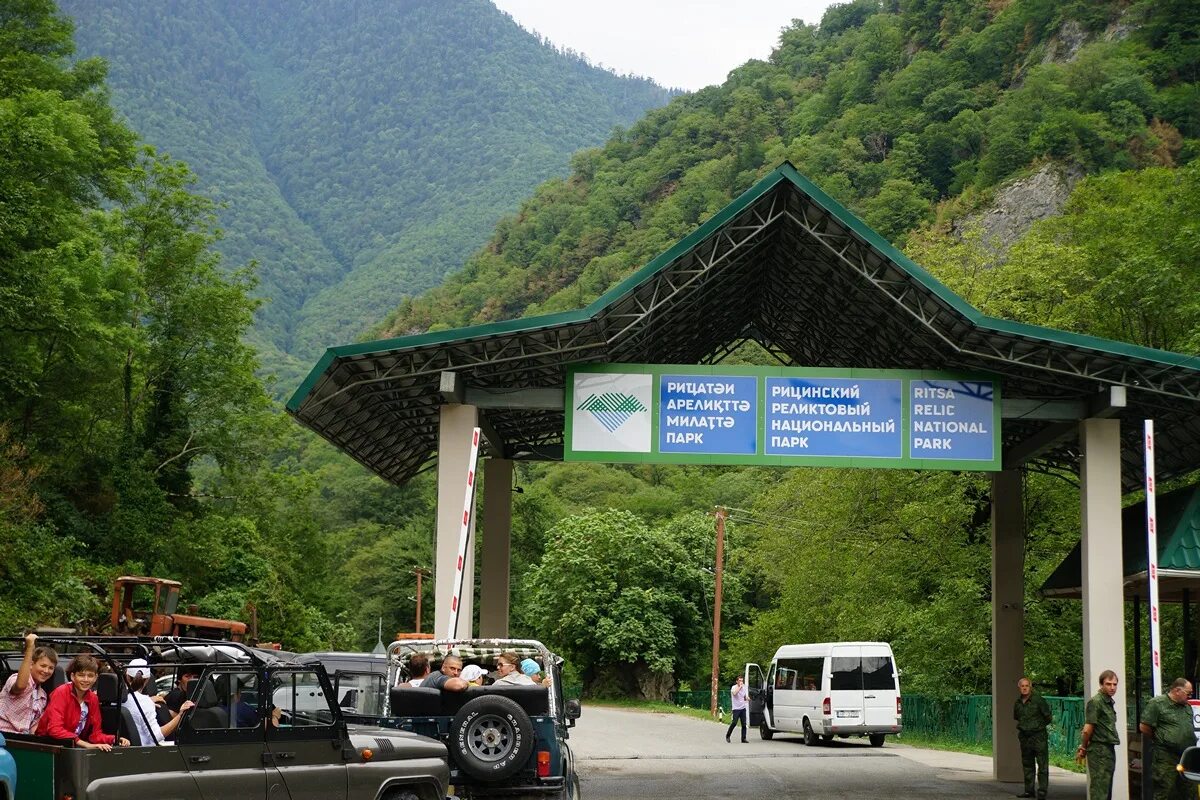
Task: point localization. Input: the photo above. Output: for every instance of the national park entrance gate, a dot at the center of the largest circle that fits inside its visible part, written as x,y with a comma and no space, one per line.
785,266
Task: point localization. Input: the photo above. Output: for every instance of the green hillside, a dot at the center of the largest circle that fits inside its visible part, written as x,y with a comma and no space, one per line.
135,437
361,149
904,116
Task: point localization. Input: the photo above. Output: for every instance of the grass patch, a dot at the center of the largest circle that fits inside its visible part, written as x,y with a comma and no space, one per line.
977,748
940,743
656,706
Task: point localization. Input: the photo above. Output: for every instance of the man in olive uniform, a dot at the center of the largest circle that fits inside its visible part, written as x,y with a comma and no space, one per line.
1100,738
1032,713
1168,721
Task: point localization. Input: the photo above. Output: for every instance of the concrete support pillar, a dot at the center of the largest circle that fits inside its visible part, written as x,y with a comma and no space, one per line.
454,452
1103,594
497,533
1008,618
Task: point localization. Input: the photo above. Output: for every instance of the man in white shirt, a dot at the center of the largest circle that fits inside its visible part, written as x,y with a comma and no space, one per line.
737,697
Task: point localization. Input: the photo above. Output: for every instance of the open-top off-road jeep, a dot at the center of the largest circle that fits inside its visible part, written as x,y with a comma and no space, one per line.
503,739
261,727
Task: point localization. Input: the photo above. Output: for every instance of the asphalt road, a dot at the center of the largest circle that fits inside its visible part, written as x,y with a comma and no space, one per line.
623,755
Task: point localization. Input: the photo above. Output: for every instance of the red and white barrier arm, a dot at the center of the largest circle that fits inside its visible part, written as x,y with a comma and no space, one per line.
1152,559
464,536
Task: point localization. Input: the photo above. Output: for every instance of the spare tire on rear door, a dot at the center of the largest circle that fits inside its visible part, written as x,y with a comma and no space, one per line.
491,738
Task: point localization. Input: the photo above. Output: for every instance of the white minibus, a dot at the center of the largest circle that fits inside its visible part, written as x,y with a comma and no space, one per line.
827,690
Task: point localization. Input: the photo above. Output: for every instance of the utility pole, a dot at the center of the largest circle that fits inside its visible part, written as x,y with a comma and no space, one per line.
720,514
419,572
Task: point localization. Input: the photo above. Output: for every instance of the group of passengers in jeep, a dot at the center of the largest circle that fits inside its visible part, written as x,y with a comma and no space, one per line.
71,712
511,669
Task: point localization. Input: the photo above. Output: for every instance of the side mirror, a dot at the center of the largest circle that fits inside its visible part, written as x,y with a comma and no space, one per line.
573,709
1189,764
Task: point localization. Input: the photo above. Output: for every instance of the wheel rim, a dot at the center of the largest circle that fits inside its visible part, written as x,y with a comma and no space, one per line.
490,738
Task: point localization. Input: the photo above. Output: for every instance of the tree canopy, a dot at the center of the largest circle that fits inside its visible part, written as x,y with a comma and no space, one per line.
136,436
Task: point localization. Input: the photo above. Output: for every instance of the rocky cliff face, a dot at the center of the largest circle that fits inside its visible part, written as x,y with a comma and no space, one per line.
1018,205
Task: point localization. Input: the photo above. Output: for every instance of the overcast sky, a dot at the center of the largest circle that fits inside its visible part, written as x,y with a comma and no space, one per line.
687,44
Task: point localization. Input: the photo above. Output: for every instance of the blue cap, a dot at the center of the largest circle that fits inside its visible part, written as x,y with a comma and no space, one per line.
530,667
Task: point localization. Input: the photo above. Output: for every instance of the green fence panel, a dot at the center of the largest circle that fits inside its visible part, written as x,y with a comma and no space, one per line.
1068,724
968,719
702,699
964,718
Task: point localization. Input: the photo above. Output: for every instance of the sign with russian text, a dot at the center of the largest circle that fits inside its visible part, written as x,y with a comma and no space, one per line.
782,416
811,416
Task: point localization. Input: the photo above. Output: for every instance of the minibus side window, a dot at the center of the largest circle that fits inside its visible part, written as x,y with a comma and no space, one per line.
878,673
846,675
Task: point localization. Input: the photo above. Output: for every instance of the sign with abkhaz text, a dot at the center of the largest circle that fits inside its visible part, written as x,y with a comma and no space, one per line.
782,416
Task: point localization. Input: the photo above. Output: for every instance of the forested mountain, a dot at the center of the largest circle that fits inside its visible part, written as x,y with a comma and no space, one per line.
905,115
135,438
361,149
916,115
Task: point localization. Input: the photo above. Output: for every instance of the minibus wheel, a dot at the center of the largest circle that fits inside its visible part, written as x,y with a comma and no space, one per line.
810,736
876,739
765,732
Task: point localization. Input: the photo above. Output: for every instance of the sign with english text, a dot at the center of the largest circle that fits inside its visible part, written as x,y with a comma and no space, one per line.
782,416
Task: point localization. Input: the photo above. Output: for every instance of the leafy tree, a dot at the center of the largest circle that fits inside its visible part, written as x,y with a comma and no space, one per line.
622,599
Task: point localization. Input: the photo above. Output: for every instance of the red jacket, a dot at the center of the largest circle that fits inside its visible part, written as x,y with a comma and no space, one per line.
61,717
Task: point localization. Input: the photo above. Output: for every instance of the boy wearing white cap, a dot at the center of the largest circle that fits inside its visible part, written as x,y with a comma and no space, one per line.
473,674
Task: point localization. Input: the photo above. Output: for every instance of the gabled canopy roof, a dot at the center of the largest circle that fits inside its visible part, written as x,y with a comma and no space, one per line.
784,265
1178,523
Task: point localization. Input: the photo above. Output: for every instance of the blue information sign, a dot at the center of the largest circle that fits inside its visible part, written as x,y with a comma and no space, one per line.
813,416
708,414
792,416
951,420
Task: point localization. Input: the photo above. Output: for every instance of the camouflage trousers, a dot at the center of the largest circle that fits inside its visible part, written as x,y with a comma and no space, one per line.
1168,783
1101,761
1035,760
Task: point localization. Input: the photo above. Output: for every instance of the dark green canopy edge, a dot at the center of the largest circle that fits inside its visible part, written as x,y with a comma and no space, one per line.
1178,514
359,395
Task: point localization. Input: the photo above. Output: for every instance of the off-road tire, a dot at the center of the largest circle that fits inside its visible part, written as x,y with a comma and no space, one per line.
491,738
401,794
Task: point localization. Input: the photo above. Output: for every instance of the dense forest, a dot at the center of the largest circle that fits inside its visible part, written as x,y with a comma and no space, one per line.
137,436
359,150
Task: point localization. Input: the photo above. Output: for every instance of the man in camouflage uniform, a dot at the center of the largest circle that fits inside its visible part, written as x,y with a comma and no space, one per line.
1100,738
1168,721
1032,713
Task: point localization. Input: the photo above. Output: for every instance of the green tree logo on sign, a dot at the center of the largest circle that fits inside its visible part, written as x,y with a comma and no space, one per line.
611,409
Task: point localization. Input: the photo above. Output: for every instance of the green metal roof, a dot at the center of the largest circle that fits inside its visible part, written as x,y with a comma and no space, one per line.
783,264
1178,515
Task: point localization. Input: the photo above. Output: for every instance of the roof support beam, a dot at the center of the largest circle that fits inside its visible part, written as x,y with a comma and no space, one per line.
454,391
451,388
494,439
1020,408
1105,404
550,398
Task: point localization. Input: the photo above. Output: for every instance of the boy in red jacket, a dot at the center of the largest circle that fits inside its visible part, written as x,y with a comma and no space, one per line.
73,710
